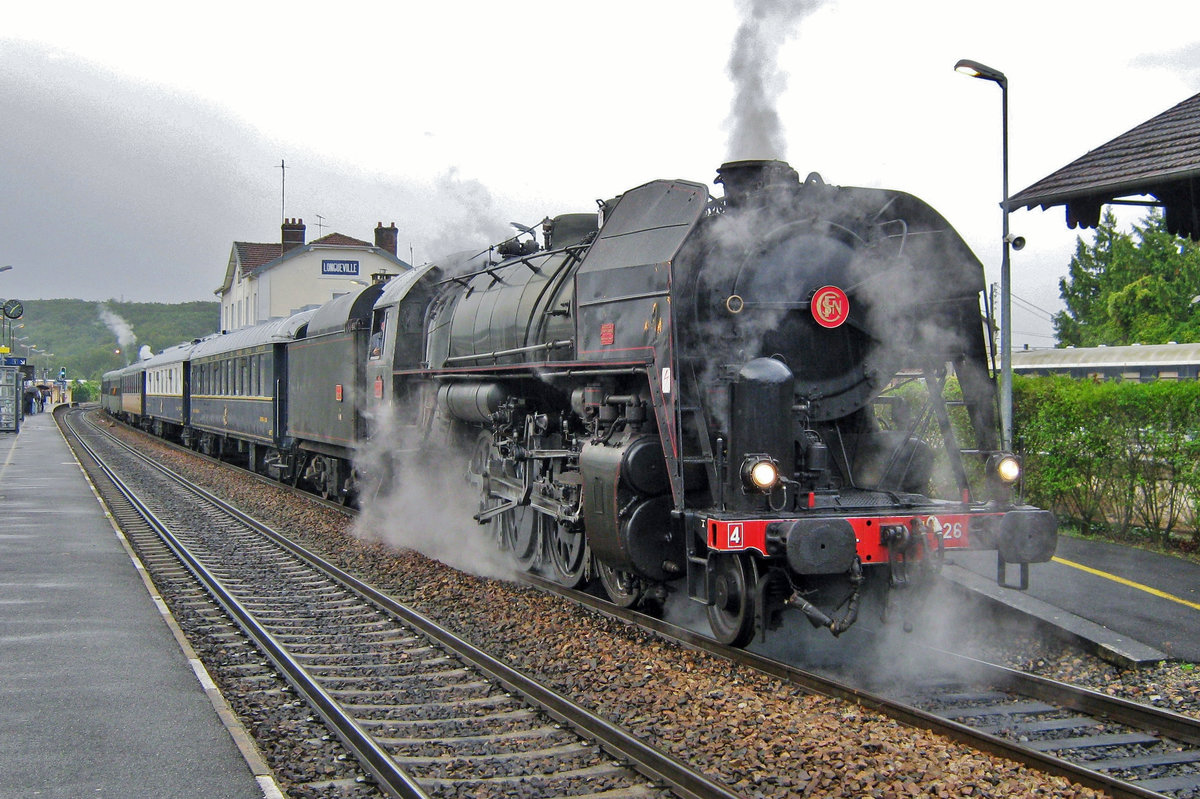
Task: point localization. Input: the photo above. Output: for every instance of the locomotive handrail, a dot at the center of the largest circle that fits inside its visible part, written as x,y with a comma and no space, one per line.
570,250
550,345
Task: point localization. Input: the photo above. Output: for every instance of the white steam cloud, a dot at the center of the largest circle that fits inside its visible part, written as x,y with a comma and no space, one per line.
119,327
419,498
471,220
755,130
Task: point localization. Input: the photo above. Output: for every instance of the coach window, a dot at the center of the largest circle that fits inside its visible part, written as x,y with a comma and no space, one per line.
268,374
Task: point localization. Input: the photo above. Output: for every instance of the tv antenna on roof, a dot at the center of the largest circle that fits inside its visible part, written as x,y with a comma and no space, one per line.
282,191
320,225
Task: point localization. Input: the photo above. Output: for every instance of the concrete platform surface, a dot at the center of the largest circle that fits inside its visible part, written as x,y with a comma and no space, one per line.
1130,605
96,696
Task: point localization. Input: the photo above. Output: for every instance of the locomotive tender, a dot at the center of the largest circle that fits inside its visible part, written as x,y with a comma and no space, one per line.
747,397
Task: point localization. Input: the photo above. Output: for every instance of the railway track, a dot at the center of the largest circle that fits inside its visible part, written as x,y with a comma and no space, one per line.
424,712
1121,747
1124,748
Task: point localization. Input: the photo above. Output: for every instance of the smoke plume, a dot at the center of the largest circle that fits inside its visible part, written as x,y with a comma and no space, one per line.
472,219
120,328
755,130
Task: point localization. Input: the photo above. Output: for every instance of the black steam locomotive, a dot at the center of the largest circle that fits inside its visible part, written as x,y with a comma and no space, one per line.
776,399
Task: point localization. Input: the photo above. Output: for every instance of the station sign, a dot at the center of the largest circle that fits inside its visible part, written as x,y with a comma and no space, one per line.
14,361
331,268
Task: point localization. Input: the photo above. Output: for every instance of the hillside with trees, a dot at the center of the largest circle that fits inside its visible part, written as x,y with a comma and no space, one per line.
89,338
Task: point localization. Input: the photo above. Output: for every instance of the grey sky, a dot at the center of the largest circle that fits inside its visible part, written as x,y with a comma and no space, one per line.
131,157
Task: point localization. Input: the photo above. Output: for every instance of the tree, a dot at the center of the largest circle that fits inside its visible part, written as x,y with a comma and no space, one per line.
1128,288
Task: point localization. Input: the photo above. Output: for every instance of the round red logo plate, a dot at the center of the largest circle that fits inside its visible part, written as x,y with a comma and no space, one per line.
830,306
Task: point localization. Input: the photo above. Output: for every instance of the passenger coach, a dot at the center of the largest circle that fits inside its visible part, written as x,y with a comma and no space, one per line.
236,409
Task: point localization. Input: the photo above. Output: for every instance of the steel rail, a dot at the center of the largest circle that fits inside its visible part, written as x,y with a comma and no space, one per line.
1085,700
649,761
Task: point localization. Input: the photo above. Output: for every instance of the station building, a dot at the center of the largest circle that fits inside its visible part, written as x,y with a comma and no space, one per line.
273,281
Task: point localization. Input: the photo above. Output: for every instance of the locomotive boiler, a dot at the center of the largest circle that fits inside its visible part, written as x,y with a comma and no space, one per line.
770,399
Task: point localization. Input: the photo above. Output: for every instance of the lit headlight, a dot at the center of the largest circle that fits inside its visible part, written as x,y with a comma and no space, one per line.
760,472
1007,468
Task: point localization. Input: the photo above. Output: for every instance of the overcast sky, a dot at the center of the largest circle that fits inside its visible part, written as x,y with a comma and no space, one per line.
139,140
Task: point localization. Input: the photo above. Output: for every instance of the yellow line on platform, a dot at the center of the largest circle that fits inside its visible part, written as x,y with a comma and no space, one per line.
1130,583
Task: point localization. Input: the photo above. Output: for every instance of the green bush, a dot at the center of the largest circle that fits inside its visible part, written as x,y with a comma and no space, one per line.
83,391
1119,457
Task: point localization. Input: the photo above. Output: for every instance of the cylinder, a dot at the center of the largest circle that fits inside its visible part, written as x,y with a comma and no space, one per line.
472,402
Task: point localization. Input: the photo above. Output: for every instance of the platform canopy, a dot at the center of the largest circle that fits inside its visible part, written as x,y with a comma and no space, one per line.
1160,157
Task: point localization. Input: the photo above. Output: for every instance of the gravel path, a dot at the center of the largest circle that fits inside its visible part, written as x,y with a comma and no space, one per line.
761,736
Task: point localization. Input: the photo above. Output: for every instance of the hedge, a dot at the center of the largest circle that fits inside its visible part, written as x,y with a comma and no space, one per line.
1119,458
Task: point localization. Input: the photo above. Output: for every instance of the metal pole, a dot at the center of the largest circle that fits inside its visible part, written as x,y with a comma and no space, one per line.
978,70
1006,386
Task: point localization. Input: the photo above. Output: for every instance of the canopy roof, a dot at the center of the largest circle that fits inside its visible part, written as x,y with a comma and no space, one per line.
1160,157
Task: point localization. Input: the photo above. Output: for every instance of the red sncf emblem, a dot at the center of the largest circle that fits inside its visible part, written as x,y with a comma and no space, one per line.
830,306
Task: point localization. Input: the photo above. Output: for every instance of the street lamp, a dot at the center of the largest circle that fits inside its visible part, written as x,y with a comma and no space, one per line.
977,70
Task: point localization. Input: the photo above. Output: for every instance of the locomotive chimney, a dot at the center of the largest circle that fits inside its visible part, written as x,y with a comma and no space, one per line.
744,179
386,237
293,234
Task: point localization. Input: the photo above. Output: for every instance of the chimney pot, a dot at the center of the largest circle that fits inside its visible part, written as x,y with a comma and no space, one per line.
293,234
386,238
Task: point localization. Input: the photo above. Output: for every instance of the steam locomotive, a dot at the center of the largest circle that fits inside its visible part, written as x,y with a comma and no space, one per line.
775,399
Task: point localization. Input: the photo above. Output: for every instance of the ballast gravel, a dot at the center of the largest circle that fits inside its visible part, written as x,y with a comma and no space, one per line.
759,736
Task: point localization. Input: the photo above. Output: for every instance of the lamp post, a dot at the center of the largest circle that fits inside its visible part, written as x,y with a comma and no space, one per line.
977,70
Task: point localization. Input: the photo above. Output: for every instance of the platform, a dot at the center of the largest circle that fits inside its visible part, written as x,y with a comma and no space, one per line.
1128,605
96,696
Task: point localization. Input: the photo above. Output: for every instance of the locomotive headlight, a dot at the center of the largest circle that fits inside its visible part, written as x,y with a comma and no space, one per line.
1006,467
760,472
